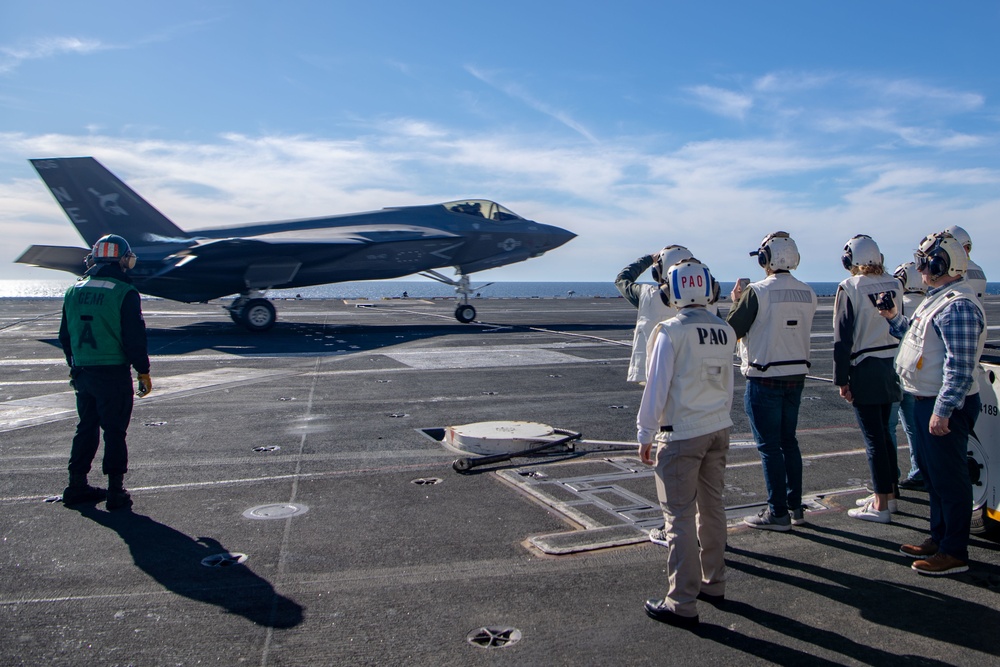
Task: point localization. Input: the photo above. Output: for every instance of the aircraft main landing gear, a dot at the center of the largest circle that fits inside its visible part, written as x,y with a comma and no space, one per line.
256,314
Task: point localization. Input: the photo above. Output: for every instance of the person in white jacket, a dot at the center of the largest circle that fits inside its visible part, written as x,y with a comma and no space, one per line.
685,409
650,301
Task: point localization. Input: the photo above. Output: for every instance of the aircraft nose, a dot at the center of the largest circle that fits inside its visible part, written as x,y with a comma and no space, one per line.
558,236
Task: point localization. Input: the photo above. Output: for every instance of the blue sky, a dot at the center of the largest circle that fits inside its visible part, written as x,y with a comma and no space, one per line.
633,124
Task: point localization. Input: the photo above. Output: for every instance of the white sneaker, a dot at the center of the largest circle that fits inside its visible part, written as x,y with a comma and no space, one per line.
659,536
869,513
893,505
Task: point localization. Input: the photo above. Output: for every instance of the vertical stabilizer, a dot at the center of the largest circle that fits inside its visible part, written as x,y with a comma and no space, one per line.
98,203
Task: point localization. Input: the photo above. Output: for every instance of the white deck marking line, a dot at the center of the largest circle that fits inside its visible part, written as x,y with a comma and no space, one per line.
478,357
47,408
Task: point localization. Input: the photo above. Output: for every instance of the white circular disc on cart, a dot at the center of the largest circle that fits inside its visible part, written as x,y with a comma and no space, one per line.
497,437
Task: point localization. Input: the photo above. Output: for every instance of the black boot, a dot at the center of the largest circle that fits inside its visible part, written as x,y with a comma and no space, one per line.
118,497
79,491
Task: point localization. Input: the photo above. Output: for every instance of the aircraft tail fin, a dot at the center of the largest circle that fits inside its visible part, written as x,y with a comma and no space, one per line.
99,203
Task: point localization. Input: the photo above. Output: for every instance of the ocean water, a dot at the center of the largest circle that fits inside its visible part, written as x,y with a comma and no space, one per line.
417,289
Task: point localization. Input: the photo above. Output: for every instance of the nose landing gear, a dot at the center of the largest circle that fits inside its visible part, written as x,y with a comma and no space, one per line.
465,312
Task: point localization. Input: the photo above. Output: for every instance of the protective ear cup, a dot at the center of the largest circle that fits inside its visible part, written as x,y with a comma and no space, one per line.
847,259
128,261
656,273
716,291
937,265
764,257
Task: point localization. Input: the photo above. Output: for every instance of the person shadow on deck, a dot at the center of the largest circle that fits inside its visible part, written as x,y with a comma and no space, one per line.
174,560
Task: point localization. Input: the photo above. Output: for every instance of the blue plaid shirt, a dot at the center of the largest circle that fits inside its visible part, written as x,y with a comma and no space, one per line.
959,325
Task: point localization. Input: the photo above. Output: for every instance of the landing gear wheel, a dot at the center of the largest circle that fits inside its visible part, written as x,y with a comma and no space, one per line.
465,313
235,317
258,315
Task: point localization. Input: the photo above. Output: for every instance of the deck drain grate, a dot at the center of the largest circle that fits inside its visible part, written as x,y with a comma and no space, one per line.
155,424
224,560
426,481
267,448
494,637
275,511
398,415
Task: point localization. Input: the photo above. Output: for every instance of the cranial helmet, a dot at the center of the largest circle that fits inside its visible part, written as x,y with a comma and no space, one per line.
941,254
667,258
689,282
861,250
907,274
777,252
961,236
112,248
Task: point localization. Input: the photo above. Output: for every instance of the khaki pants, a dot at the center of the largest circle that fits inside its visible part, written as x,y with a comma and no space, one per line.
690,475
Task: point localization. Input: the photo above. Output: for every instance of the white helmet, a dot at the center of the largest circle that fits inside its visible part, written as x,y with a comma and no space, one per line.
941,254
961,236
689,282
861,250
667,258
908,276
777,252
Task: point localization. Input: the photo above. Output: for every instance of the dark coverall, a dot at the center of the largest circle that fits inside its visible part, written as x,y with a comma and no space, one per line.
104,390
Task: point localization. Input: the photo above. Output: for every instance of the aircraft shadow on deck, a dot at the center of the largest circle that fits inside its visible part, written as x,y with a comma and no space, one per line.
318,339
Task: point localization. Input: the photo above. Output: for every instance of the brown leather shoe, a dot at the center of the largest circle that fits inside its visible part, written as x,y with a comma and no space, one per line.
940,564
922,550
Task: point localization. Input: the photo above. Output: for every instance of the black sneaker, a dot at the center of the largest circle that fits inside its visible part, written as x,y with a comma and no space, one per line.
657,610
912,484
77,495
118,500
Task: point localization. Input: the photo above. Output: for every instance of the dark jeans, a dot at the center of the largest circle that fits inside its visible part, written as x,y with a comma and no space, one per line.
773,409
874,423
103,403
943,460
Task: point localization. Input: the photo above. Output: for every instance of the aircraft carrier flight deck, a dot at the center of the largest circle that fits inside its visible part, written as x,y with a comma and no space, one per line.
295,504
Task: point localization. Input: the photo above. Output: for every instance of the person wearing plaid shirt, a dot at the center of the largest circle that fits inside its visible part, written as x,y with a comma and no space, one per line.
938,354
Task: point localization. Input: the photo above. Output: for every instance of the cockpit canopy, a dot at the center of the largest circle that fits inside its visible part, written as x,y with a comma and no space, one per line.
482,208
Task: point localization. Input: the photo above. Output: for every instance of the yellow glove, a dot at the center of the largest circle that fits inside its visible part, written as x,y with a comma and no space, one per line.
145,385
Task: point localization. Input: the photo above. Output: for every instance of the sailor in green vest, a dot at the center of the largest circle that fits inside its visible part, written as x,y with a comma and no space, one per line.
103,336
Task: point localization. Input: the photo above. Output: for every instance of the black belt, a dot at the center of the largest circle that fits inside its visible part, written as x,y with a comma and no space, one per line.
925,398
666,429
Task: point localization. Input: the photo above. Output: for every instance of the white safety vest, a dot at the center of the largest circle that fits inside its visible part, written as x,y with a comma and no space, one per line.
701,389
652,311
871,331
920,361
910,302
777,343
976,278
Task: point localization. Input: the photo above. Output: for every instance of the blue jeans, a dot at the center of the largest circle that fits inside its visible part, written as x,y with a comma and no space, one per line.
773,409
943,460
910,427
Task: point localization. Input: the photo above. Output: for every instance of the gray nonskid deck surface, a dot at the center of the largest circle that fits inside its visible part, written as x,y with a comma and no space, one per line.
388,556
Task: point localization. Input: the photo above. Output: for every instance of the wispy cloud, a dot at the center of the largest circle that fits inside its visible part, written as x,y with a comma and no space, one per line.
722,102
517,92
11,57
698,193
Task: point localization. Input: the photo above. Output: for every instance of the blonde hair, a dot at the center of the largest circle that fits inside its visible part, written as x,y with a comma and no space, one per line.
868,270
